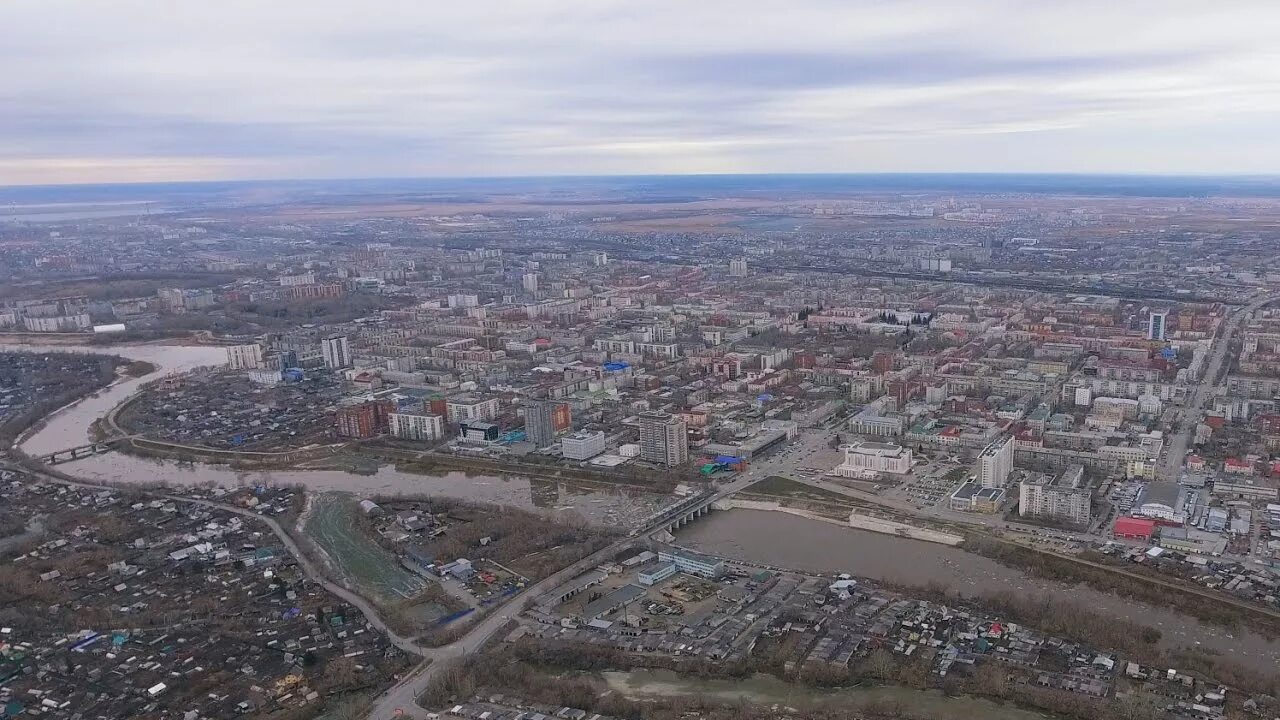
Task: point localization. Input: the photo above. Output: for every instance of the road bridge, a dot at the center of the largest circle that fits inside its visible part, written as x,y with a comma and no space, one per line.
80,451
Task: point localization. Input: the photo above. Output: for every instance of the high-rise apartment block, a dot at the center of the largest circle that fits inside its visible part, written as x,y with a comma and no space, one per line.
995,463
336,350
416,426
663,439
244,357
1156,325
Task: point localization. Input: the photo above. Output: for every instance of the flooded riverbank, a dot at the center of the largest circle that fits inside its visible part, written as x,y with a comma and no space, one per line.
768,690
614,507
786,540
70,426
597,504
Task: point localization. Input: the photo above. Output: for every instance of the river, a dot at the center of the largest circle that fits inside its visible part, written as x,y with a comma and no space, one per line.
768,690
606,506
779,539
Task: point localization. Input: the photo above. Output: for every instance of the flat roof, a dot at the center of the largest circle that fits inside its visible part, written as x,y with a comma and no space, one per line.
624,594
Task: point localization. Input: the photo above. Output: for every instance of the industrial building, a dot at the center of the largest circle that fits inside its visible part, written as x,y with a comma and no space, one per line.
693,563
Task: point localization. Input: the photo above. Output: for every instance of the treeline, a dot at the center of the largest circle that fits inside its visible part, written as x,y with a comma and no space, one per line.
566,674
1076,622
1052,567
73,375
539,545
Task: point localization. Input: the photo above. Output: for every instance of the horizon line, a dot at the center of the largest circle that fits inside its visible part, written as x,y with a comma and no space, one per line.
1141,175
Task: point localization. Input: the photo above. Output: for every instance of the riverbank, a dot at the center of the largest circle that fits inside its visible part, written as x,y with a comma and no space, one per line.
759,689
786,540
854,519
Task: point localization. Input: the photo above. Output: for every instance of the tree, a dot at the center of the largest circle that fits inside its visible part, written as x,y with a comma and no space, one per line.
1137,705
340,673
880,665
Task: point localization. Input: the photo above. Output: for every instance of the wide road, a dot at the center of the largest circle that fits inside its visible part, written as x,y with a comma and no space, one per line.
1201,394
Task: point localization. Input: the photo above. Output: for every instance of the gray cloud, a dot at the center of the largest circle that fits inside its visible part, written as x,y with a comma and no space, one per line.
791,70
296,88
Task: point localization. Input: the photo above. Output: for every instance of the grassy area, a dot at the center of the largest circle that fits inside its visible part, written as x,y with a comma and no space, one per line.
333,526
779,486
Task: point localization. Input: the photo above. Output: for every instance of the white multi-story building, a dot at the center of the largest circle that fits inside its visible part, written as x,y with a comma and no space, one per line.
414,426
738,268
336,350
869,459
1065,497
471,408
995,463
666,351
1156,325
530,283
664,439
60,323
582,445
463,301
244,357
307,278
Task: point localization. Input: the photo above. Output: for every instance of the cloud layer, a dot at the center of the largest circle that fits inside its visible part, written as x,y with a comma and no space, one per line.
133,90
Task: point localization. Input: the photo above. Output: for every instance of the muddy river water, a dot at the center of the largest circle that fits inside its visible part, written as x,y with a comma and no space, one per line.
70,427
783,540
752,535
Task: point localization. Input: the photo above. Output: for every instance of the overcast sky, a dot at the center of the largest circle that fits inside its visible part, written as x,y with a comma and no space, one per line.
133,90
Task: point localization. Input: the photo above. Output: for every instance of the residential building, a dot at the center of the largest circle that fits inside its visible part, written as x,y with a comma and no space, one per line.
413,426
336,351
738,268
1156,325
1065,497
307,278
530,283
464,409
995,463
544,419
244,357
314,291
663,439
364,420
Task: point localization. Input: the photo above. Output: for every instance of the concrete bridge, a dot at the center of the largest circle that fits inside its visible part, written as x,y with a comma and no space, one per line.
693,508
80,451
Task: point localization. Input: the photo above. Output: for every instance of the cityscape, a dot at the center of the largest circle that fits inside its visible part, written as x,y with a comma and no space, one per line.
616,361
963,452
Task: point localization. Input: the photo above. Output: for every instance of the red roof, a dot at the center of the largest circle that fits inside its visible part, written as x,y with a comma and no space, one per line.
1134,527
